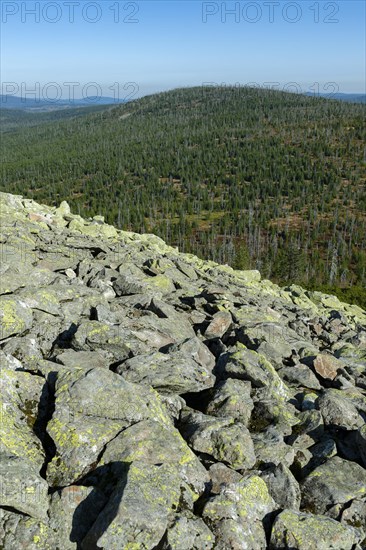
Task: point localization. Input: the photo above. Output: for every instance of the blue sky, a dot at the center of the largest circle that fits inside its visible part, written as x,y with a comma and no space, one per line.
159,45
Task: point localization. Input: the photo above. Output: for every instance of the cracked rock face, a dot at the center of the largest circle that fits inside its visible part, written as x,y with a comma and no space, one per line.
152,400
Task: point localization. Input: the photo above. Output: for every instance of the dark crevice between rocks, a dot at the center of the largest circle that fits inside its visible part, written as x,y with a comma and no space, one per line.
198,328
93,314
113,366
268,521
198,400
163,544
208,460
33,372
201,502
216,347
46,408
96,251
14,511
347,444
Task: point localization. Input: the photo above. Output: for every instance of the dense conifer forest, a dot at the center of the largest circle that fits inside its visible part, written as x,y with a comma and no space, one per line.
250,177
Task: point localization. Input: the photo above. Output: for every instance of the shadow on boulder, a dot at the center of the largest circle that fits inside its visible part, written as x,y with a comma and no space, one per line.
104,488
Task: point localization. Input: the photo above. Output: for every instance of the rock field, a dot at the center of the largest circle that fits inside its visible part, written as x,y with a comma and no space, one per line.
152,400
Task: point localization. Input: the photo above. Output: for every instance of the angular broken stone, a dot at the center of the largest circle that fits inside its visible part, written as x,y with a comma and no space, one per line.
91,409
220,324
225,440
22,488
19,401
221,475
188,532
237,513
232,398
300,376
82,359
15,317
150,442
327,366
247,364
22,531
339,410
138,510
300,531
186,367
72,512
282,486
270,448
336,482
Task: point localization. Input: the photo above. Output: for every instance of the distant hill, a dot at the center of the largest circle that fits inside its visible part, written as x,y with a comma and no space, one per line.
350,98
250,177
31,104
12,119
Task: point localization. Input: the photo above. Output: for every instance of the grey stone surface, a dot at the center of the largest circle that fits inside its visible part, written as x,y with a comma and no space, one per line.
153,400
186,367
334,483
301,531
224,439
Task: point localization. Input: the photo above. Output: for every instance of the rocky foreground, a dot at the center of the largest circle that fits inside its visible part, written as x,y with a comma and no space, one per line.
151,400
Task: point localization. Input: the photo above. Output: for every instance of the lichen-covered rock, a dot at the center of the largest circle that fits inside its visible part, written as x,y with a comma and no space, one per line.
133,280
334,483
283,487
296,530
271,409
91,409
151,399
232,398
15,317
247,364
186,367
221,475
224,439
236,515
355,516
72,512
339,410
188,532
83,359
300,376
271,338
271,449
19,401
308,431
21,531
24,349
22,488
137,513
151,442
306,460
136,336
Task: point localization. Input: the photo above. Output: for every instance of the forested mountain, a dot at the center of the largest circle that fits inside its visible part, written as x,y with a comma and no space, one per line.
251,177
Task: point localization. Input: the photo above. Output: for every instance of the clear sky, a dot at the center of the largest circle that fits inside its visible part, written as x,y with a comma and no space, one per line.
135,48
